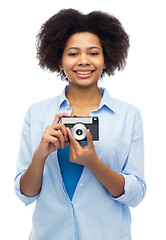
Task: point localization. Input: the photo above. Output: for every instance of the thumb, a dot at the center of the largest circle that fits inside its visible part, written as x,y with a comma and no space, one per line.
89,138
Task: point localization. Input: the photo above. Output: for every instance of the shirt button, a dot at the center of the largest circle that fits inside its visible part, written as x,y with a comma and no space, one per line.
81,184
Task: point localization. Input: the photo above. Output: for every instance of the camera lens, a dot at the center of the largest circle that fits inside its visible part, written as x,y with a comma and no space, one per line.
79,132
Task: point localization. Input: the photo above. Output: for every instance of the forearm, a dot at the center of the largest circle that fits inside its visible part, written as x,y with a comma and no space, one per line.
111,180
31,180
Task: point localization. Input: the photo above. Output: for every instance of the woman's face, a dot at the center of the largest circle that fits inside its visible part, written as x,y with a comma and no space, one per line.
83,59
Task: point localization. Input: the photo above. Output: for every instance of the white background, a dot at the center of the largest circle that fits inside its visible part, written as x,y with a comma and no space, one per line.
142,83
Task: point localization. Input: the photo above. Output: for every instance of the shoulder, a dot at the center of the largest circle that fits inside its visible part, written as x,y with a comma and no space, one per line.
39,111
120,105
116,105
125,110
131,114
43,104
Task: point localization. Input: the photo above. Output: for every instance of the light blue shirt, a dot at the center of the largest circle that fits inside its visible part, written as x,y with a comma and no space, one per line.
93,214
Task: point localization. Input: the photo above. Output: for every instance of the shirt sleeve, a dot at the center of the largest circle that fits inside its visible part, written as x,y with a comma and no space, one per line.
133,170
24,159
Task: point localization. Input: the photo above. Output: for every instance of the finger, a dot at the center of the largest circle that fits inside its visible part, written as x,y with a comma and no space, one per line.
67,143
59,115
73,141
61,127
52,140
81,144
57,135
60,136
89,138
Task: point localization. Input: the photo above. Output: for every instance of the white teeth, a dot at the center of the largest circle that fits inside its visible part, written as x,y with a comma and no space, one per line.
83,72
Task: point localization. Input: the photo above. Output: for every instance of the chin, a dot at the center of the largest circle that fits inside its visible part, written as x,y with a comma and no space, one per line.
83,82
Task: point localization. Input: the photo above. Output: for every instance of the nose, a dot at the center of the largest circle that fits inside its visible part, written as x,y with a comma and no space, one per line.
83,60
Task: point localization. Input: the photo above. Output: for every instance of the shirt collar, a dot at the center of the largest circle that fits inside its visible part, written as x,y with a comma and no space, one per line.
62,98
106,100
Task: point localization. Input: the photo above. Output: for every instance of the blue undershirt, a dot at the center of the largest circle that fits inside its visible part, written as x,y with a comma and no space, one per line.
71,172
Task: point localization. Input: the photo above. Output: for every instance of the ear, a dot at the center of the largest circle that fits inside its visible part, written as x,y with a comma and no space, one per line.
60,66
105,65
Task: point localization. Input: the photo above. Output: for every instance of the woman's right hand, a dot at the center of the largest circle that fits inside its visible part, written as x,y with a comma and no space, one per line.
54,137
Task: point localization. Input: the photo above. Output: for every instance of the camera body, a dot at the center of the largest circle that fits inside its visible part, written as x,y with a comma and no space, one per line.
79,126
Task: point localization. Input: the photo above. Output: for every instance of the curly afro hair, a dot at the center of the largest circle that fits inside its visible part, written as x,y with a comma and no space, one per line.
55,32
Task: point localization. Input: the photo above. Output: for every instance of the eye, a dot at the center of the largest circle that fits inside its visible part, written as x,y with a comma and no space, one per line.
72,54
94,53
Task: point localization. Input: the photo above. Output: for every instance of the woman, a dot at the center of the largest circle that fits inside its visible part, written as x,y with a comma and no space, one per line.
83,190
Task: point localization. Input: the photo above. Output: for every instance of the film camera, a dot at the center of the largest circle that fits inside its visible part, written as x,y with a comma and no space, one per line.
79,126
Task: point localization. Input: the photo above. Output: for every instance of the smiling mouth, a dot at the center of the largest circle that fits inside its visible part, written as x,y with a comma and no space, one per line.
84,72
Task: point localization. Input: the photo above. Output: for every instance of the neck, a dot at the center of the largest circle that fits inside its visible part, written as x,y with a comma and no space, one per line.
83,95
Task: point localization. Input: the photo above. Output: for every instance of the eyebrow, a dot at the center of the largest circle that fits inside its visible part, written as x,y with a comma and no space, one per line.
76,48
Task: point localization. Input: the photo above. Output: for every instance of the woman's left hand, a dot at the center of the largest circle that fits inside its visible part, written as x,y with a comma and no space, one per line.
84,155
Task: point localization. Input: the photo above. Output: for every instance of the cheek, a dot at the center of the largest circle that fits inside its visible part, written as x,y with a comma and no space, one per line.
68,65
100,63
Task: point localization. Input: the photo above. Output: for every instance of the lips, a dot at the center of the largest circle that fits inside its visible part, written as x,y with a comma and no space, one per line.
83,72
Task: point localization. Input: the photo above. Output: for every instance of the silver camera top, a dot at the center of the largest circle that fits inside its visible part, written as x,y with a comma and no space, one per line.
76,119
